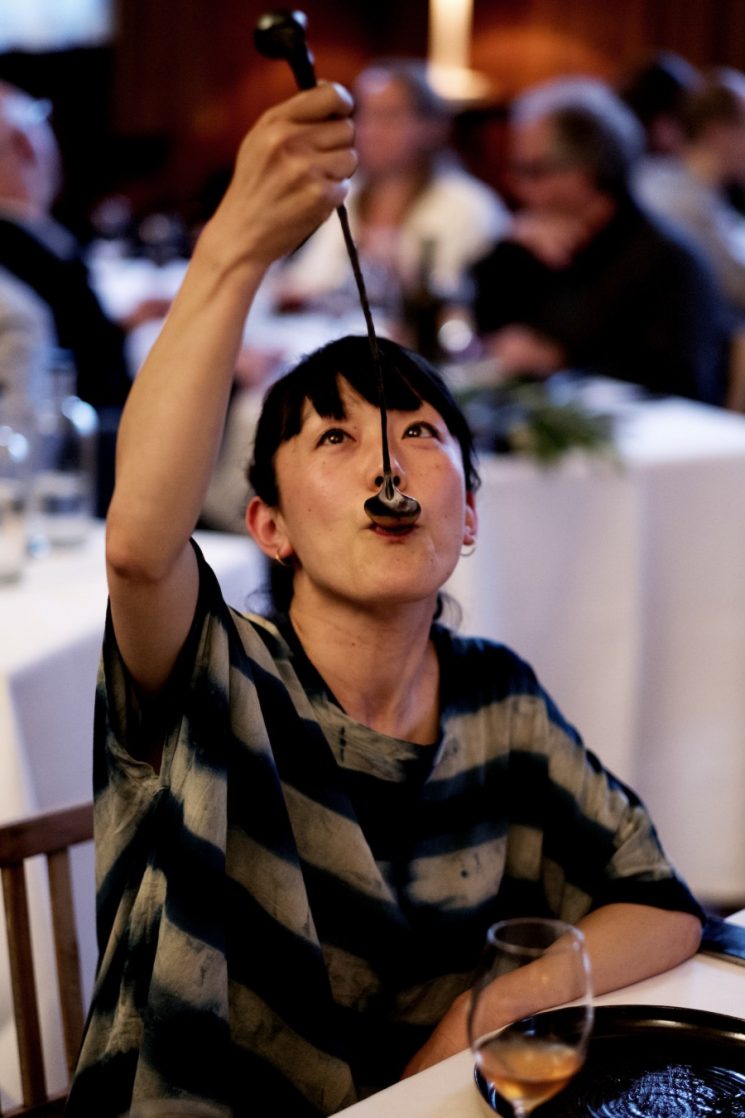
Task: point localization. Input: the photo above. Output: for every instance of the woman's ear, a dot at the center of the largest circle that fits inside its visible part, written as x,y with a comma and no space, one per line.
266,527
471,523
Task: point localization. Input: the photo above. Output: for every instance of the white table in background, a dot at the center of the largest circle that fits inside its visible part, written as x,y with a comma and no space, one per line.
624,587
447,1090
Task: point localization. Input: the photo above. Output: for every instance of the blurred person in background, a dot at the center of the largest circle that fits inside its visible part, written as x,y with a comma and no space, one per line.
656,92
412,207
46,257
583,279
690,190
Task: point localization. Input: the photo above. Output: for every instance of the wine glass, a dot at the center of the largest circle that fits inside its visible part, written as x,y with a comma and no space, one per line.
525,1053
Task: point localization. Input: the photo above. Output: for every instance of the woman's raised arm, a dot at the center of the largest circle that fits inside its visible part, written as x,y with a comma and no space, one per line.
290,173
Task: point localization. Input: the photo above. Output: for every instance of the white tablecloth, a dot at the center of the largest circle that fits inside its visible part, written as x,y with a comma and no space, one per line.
51,625
447,1090
624,587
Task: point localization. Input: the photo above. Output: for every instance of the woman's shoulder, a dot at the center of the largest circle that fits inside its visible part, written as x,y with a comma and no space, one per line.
217,625
476,663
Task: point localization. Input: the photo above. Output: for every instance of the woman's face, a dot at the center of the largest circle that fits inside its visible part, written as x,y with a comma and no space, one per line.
326,473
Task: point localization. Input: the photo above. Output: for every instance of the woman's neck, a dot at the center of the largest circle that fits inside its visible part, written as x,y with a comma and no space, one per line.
381,665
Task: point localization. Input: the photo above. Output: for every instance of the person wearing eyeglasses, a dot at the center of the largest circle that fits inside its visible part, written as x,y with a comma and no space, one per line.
583,279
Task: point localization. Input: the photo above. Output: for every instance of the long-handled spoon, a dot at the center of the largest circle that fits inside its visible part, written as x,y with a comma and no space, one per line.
281,35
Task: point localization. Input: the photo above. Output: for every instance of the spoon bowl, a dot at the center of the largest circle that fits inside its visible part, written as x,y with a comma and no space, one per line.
390,508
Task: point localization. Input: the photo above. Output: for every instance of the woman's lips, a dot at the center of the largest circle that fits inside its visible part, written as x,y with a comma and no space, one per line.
392,529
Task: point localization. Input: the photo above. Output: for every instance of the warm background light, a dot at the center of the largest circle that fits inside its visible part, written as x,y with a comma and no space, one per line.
449,52
450,32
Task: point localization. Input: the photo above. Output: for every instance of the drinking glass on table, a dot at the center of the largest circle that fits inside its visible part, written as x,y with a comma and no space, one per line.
525,1053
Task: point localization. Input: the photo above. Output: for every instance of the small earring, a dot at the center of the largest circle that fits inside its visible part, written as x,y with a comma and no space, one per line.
282,562
469,553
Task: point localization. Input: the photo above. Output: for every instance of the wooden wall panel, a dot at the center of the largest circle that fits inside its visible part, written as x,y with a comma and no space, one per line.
186,69
520,41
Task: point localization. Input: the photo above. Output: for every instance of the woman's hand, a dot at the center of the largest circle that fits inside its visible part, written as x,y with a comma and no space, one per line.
291,172
520,349
626,943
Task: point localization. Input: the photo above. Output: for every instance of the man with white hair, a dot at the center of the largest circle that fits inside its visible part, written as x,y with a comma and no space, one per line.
46,257
583,279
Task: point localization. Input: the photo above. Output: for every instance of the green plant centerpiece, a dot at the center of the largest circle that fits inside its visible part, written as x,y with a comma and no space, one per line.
526,415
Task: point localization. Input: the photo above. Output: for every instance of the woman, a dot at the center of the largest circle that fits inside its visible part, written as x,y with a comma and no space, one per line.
305,826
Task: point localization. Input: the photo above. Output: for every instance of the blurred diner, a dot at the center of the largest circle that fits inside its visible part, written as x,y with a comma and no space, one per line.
46,257
656,90
690,189
416,214
583,278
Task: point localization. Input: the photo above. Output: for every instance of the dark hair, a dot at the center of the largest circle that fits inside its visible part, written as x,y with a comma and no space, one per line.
412,74
407,380
720,99
593,129
658,86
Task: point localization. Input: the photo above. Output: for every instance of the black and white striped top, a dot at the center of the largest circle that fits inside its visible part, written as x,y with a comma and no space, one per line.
288,908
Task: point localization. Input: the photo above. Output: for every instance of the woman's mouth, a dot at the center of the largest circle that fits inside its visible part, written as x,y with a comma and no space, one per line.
392,529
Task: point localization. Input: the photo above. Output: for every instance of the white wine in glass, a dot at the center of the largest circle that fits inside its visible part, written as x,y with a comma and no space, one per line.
524,1052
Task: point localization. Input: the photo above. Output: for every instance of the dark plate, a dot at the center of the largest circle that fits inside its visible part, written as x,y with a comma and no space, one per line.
651,1061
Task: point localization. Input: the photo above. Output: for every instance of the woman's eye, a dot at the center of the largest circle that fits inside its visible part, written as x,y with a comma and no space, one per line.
420,430
333,437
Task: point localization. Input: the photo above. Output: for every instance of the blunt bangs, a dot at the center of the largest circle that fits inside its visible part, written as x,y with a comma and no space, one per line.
408,381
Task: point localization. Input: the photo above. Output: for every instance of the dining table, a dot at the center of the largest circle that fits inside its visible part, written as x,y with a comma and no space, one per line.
447,1090
51,629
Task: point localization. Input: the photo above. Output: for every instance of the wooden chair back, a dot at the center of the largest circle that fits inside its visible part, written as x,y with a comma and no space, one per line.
52,834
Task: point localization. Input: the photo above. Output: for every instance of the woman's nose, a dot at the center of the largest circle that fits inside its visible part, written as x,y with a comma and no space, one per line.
398,473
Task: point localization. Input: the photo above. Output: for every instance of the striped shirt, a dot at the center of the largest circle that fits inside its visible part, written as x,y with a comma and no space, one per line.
291,904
